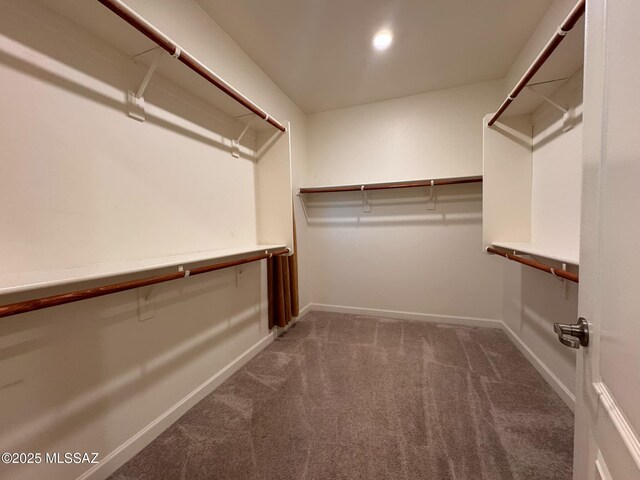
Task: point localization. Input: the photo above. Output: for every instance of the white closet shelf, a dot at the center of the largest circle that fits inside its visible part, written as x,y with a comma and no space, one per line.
558,253
24,281
99,21
561,57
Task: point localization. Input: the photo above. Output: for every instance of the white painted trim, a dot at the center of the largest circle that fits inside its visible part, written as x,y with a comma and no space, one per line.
304,310
454,320
560,388
619,421
144,437
280,330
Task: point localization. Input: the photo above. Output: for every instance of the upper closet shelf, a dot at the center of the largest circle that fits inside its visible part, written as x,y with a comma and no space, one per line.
561,254
563,65
149,48
387,185
19,282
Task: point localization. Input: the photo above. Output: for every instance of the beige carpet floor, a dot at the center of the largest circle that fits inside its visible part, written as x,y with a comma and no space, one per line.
352,397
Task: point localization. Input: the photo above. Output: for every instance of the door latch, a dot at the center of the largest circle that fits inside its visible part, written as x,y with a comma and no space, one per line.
574,336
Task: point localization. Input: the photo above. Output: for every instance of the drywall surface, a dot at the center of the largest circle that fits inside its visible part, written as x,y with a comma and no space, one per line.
431,135
83,183
507,180
533,301
557,168
402,256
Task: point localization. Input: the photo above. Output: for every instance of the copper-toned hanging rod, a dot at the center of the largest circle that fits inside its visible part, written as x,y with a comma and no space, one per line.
164,42
76,296
572,277
551,45
384,186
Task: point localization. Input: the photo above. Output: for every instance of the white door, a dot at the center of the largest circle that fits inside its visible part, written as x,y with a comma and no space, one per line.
608,388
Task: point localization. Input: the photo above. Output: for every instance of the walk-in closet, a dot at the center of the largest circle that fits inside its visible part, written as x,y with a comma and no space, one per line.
298,240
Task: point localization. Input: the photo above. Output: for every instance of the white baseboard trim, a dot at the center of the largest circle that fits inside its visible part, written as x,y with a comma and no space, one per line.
304,310
425,317
144,437
280,330
550,377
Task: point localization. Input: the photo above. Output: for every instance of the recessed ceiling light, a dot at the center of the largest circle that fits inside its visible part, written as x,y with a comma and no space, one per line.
382,40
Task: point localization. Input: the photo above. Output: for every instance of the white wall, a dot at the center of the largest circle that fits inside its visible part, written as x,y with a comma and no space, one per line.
557,169
401,257
84,183
92,185
533,302
431,135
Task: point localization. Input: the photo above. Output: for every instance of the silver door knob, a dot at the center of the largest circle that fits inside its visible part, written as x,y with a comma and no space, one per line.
573,336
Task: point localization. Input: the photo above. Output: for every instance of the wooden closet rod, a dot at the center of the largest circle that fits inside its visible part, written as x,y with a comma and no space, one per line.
76,296
572,277
384,186
164,42
551,45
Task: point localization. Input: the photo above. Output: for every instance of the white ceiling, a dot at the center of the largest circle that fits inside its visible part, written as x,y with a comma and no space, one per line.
319,51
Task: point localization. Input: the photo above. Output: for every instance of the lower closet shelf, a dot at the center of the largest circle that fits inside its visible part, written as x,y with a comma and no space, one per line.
552,252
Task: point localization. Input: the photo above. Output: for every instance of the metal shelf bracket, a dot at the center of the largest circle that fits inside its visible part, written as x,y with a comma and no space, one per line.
566,113
366,204
304,206
563,281
135,101
235,143
431,199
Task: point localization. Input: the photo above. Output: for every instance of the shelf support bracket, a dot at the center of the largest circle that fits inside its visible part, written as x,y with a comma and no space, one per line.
563,281
566,113
235,143
565,284
145,304
135,100
366,204
304,206
240,275
431,199
268,144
